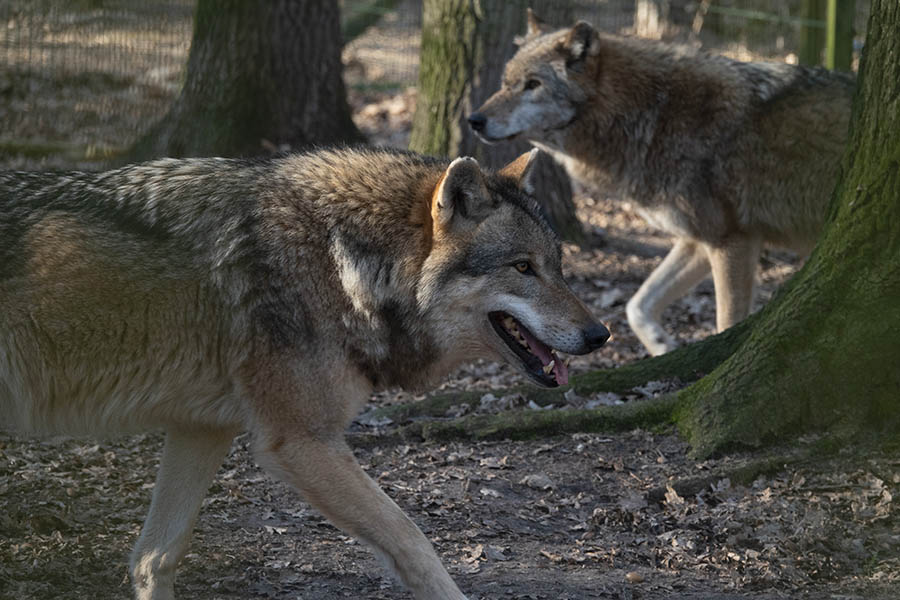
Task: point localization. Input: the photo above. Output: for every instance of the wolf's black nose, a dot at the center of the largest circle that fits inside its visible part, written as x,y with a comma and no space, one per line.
477,121
595,336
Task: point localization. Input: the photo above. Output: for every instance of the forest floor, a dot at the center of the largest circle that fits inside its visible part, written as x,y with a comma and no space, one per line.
572,517
588,515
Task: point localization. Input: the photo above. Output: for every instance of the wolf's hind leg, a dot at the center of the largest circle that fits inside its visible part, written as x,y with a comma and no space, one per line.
683,267
190,460
326,472
734,270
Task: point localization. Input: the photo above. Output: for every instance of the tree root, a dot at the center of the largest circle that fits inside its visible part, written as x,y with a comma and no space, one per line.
686,364
523,425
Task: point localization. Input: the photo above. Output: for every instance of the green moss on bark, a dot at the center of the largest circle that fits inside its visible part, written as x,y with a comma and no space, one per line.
523,425
824,354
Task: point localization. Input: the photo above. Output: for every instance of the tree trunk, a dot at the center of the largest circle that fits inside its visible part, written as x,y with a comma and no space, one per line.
650,18
465,46
260,75
662,19
824,354
812,39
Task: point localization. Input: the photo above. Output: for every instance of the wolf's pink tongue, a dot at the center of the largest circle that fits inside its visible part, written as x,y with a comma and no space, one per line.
537,346
561,372
542,351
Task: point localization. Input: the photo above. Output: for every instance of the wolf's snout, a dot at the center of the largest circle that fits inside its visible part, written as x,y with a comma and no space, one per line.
477,121
595,336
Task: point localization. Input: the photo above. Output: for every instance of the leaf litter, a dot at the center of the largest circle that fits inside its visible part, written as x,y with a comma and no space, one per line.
567,518
573,516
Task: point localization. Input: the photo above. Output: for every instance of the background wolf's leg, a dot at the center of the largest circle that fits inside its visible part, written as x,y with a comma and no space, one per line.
327,474
682,268
190,460
734,269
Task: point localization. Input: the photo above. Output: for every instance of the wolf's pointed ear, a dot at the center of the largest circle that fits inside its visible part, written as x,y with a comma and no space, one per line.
534,27
579,43
461,194
523,169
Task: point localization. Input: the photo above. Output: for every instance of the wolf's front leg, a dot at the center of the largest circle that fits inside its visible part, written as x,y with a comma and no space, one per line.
327,474
734,263
683,267
190,460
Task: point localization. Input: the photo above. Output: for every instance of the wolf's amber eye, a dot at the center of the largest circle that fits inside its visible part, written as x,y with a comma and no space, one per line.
523,266
532,83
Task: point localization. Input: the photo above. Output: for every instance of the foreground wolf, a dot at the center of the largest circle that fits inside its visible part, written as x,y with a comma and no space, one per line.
726,156
210,296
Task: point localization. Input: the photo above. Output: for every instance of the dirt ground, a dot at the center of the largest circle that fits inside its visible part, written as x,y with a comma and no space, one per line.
573,517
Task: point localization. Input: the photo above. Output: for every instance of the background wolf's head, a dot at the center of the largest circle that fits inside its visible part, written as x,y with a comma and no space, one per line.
543,84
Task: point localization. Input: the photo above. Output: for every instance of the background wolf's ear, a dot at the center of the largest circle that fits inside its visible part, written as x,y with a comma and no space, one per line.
523,169
580,42
535,27
461,194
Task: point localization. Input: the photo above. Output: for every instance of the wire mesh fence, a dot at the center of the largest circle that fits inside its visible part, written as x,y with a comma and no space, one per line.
94,73
86,74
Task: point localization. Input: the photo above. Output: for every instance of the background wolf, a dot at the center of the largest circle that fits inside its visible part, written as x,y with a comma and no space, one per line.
209,296
724,155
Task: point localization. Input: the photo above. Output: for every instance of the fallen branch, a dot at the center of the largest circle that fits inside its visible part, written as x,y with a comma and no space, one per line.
71,151
742,475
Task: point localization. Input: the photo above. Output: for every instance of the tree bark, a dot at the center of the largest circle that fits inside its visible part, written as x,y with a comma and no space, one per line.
465,46
662,19
260,75
824,354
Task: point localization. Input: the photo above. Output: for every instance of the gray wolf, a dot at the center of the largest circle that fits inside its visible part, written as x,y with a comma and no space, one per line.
209,296
726,156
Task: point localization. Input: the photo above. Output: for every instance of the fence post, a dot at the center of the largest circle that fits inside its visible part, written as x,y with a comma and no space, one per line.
839,34
812,39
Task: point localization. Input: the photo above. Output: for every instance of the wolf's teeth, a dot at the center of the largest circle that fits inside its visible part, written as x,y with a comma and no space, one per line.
549,367
568,361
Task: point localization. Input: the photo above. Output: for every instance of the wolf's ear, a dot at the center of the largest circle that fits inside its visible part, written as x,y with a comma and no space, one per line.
579,43
535,27
461,194
523,169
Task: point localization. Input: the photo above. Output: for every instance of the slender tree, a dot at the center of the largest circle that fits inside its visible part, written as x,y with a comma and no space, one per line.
659,19
259,75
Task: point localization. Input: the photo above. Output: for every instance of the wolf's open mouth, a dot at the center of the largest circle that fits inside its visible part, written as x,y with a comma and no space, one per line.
539,359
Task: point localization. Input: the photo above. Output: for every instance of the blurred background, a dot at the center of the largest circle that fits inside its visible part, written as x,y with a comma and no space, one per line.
82,80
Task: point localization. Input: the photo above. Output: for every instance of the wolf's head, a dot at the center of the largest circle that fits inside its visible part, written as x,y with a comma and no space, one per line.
544,85
492,283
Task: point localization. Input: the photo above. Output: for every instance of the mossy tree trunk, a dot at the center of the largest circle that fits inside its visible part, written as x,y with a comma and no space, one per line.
465,45
825,353
259,75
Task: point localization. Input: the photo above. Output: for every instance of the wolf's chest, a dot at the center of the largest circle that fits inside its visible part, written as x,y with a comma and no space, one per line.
667,218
